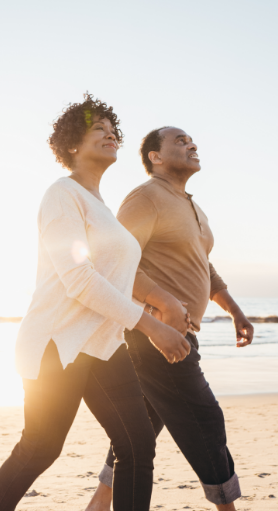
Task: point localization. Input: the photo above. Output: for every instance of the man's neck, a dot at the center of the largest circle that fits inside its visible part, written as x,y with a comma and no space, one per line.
178,182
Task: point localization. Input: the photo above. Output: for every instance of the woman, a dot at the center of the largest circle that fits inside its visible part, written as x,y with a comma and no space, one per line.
70,343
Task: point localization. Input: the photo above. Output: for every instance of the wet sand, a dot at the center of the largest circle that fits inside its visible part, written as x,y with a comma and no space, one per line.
252,428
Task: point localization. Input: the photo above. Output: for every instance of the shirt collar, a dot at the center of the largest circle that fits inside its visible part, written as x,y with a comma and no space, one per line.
170,186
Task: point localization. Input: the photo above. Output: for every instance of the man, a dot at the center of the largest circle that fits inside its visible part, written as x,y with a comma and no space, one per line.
176,241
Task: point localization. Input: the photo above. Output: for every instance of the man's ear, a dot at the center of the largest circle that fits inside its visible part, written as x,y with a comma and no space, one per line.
154,158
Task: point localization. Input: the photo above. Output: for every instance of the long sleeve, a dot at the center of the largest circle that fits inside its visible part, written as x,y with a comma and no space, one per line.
87,263
216,282
66,242
138,215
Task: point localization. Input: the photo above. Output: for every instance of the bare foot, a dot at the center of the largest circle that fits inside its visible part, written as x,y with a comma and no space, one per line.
101,499
226,507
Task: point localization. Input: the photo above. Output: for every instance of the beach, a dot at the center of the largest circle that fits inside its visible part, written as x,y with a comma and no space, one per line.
246,384
252,427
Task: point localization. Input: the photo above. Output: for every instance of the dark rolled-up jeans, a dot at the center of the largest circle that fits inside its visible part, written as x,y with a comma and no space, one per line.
178,396
112,392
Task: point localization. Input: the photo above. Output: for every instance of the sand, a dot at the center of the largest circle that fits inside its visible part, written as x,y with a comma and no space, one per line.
252,427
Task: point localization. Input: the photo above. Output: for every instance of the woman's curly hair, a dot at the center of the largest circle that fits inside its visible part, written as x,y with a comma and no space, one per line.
71,126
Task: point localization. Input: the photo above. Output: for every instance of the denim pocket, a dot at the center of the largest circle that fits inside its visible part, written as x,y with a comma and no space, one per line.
133,349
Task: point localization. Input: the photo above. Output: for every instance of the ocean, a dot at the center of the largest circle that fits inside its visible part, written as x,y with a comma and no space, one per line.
217,335
216,339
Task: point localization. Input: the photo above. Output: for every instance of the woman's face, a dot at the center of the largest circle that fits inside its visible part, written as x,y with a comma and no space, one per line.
99,145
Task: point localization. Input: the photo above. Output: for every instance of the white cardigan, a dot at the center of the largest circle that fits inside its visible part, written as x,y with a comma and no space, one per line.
86,270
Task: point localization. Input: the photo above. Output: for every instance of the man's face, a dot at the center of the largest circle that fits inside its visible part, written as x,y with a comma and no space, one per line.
178,152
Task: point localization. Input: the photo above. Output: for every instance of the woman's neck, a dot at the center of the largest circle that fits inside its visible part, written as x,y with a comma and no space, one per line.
89,179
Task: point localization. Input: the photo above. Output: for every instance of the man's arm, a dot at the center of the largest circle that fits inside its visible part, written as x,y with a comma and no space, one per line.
220,295
139,216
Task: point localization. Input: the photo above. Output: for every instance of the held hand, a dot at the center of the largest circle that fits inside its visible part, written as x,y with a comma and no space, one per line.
244,330
175,315
170,343
187,317
157,314
172,310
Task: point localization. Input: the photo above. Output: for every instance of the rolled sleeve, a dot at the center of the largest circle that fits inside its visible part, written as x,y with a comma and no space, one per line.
216,282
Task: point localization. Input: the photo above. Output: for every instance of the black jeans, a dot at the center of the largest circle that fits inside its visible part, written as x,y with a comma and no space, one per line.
112,392
178,396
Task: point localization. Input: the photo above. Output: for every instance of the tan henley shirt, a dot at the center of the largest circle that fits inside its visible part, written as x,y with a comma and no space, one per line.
176,240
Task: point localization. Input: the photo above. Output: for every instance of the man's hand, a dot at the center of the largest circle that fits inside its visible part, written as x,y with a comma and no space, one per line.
173,312
157,314
176,316
244,329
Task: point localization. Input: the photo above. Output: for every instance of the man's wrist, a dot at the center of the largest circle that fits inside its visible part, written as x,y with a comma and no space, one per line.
226,302
235,311
161,299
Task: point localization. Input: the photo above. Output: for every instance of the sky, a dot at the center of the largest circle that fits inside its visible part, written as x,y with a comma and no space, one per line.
208,67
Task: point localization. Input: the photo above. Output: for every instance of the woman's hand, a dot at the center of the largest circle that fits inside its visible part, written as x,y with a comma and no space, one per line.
166,339
170,343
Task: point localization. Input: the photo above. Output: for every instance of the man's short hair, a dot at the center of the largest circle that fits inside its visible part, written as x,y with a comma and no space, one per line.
151,142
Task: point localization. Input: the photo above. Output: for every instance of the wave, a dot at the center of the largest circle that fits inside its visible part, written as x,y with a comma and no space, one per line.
252,319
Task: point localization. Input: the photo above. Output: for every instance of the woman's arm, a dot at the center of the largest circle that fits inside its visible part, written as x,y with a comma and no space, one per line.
80,278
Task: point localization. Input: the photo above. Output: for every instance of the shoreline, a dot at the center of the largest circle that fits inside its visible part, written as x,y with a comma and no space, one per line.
261,396
240,398
224,399
227,377
241,376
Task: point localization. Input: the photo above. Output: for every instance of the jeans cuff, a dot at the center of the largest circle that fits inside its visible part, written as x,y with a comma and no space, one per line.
106,476
224,493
